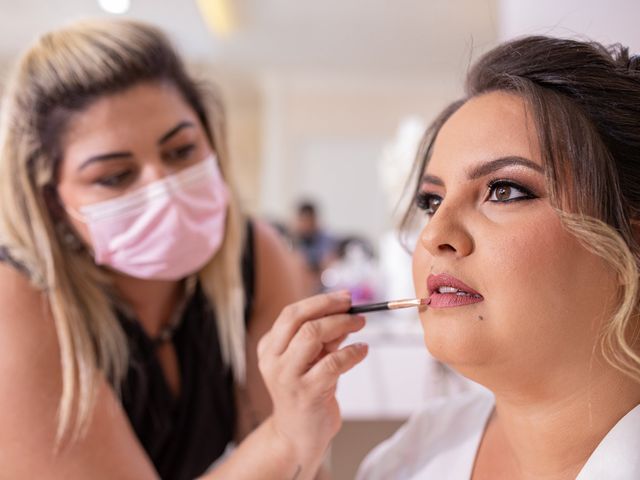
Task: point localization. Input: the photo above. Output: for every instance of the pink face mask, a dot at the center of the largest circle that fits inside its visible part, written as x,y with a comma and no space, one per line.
166,230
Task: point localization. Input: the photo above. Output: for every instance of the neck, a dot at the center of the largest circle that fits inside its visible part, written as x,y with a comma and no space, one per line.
553,437
153,301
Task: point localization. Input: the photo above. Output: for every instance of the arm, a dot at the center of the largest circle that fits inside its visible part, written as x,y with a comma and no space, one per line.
277,284
301,360
30,389
280,280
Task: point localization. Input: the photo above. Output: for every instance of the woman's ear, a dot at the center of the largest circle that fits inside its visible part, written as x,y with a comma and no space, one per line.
64,230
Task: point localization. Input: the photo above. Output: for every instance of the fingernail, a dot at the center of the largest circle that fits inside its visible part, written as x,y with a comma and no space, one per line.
343,294
360,345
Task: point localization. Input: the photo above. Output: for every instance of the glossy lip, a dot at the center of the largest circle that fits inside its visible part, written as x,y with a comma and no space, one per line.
447,300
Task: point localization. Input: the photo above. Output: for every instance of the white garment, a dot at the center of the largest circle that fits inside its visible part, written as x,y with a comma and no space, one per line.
441,442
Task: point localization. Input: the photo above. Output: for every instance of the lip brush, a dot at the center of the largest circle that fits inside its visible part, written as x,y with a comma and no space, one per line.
389,305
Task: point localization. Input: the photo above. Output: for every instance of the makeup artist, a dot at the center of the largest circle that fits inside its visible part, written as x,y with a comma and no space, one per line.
133,290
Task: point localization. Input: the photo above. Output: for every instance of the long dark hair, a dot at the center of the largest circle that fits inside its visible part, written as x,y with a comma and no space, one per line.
584,99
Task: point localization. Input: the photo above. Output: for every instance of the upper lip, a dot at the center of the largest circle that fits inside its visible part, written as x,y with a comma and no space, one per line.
434,282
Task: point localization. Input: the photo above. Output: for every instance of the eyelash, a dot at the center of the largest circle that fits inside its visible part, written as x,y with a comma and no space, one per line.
114,181
119,180
181,153
424,199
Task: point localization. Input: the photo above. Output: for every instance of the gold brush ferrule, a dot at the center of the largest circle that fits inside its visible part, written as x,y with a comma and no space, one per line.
413,302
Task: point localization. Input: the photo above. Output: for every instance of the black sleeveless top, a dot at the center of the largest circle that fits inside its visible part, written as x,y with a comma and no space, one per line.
183,435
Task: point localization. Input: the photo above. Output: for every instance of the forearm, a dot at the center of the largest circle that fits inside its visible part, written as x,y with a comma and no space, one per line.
300,359
265,455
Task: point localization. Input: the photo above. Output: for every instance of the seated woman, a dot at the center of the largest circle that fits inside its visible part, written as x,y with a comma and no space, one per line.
133,290
529,254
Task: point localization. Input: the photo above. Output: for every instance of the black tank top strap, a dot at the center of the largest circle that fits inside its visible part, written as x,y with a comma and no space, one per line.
249,270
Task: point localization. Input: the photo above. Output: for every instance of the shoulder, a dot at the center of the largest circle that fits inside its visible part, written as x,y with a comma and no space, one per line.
269,246
277,284
28,341
277,271
30,391
30,369
445,428
24,313
276,279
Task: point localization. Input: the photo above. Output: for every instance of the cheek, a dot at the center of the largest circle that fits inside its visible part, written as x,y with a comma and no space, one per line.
547,291
421,264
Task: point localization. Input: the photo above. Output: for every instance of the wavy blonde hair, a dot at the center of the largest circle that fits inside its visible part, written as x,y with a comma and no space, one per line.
62,73
584,99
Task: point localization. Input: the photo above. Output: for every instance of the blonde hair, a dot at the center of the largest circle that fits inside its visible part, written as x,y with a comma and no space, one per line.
61,74
584,99
620,334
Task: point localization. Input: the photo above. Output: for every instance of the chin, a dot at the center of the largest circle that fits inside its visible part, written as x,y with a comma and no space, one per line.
460,342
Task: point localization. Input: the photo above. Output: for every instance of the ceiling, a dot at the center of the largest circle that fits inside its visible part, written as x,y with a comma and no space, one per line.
360,35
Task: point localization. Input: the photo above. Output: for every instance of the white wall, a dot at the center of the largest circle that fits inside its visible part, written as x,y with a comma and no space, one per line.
324,135
242,102
608,21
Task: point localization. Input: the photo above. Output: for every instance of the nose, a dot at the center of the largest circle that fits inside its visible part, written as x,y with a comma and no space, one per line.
154,171
445,234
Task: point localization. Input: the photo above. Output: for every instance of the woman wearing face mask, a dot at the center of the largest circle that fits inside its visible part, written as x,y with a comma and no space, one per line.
133,290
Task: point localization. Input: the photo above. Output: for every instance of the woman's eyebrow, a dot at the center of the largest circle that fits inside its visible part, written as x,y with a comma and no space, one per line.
104,158
432,179
486,168
174,130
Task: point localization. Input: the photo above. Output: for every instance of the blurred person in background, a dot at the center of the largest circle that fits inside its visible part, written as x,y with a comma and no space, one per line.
133,289
316,244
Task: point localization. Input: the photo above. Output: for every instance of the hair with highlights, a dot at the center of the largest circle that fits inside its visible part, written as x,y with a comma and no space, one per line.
59,76
584,99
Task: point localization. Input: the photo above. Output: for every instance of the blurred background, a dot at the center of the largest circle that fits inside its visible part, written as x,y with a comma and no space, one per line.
325,104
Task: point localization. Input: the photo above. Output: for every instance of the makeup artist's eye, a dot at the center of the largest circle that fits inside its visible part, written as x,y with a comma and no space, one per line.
428,202
507,191
116,180
180,153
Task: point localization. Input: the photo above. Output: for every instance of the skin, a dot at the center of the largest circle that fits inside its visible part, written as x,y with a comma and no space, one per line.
118,144
533,340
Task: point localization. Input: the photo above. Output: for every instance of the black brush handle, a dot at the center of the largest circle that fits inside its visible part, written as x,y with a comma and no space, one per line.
371,307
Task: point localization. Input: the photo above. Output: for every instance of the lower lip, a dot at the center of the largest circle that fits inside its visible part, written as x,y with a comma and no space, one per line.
449,300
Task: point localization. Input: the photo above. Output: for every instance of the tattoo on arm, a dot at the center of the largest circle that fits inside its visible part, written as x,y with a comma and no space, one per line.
297,474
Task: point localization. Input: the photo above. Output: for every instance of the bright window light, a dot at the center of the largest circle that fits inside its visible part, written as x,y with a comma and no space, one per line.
115,6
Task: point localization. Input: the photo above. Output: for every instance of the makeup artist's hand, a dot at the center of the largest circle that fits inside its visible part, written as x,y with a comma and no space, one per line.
301,360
